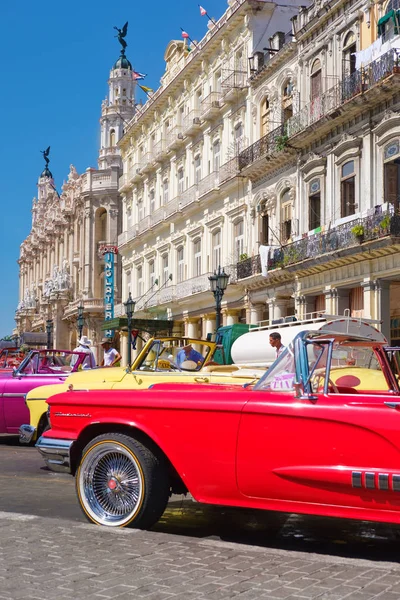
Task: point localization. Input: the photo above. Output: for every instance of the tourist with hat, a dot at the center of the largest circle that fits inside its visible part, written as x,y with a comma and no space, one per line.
89,362
111,355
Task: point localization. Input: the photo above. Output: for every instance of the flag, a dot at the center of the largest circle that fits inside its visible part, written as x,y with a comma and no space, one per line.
136,75
146,89
185,35
202,11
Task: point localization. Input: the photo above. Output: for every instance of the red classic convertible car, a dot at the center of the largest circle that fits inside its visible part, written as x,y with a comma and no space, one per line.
318,434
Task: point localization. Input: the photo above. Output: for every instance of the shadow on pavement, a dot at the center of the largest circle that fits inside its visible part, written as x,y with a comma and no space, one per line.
320,535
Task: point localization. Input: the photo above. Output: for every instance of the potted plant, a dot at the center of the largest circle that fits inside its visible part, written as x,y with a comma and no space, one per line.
385,223
358,232
243,256
281,142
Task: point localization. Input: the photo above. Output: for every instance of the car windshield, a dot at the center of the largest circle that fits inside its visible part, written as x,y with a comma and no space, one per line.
10,357
51,362
353,366
280,376
175,355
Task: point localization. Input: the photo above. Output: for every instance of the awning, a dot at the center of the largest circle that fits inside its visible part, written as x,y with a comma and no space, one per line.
153,326
391,15
33,338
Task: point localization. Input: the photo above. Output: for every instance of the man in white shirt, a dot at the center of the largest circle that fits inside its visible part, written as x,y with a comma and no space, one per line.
111,355
275,342
89,362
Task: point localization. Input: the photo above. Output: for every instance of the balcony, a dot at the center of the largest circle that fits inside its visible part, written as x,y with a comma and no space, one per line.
362,89
147,163
229,170
233,82
208,184
174,138
127,235
272,147
188,197
144,224
191,123
322,247
261,61
210,106
172,207
195,285
134,173
159,150
157,216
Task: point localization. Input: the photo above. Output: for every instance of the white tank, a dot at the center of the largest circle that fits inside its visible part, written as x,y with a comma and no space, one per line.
253,348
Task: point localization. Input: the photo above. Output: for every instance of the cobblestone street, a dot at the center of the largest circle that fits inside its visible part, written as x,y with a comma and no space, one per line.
46,558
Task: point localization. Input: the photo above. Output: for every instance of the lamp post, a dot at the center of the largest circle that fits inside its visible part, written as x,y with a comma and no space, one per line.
49,331
80,319
129,310
218,284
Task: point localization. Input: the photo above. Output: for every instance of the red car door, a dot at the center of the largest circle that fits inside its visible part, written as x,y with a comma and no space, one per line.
338,450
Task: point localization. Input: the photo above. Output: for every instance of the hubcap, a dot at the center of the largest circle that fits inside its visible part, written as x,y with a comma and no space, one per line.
110,484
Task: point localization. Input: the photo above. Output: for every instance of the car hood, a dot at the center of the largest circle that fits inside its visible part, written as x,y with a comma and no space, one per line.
91,376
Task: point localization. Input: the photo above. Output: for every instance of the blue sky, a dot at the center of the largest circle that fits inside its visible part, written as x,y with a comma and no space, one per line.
55,62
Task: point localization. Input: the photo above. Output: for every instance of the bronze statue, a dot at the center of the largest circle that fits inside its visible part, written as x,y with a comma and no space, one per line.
46,155
121,34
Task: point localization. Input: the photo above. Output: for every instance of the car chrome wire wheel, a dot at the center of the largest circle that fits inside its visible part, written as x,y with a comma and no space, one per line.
110,484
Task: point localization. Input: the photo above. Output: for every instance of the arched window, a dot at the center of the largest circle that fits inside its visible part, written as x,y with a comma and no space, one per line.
165,268
287,100
265,116
197,257
112,138
139,281
180,259
316,79
348,189
286,216
152,273
349,57
314,204
216,249
238,238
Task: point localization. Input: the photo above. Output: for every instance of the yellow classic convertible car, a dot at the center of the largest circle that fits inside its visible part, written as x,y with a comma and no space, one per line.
161,360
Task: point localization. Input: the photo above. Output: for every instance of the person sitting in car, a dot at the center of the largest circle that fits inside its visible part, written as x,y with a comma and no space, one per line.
188,353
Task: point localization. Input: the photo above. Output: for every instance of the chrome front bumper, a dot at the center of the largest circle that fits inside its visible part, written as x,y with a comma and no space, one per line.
26,433
56,453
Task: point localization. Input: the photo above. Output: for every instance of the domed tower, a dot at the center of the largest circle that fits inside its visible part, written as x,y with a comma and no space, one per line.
118,108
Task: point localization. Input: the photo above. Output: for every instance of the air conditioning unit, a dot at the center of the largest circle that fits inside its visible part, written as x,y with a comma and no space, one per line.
215,104
196,121
259,60
180,136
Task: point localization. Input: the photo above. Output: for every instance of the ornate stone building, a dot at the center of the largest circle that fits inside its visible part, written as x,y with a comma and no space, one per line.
279,130
60,264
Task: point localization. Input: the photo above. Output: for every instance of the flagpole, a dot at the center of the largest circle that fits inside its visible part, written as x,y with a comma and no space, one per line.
204,13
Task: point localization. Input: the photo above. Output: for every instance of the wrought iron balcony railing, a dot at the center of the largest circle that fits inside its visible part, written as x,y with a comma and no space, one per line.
274,141
373,227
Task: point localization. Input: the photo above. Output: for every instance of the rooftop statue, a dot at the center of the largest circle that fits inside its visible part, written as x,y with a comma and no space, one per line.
46,155
121,35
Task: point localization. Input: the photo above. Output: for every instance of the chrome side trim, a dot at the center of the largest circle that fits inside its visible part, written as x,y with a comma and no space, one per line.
396,483
356,479
26,433
56,453
370,481
383,481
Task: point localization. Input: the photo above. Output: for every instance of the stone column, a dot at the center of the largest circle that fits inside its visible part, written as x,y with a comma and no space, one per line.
277,308
230,316
86,283
208,322
191,326
123,336
382,305
369,298
254,314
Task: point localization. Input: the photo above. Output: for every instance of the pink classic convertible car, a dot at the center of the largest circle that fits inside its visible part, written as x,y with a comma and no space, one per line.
40,367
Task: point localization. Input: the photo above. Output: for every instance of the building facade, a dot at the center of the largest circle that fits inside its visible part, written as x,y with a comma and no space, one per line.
61,267
271,149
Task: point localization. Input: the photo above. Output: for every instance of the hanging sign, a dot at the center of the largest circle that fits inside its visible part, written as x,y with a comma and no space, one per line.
109,253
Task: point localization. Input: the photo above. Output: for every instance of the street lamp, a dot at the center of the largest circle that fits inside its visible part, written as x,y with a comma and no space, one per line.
218,284
49,331
129,310
80,319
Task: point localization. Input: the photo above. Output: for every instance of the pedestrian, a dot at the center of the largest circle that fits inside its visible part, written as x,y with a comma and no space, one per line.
275,342
111,355
189,353
89,362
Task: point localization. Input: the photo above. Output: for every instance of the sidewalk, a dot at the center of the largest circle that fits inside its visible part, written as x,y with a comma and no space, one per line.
43,558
